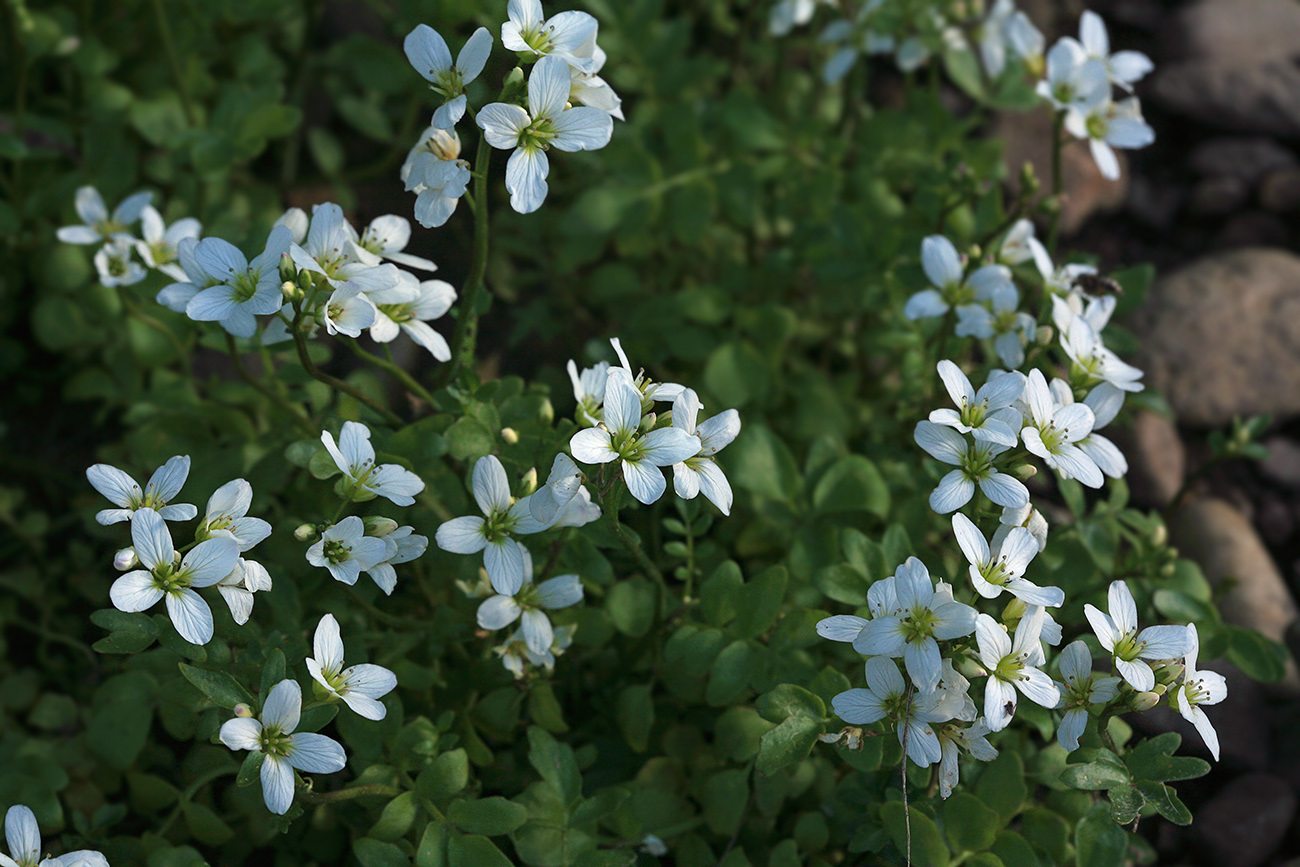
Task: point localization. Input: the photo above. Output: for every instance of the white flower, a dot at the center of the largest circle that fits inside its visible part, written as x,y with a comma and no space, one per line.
1019,245
591,90
1023,516
226,516
1003,568
359,686
115,263
1124,68
649,389
400,546
569,36
886,697
438,184
943,268
176,296
1009,328
973,739
882,601
787,14
853,38
346,551
588,391
99,226
1118,634
274,737
1198,688
515,653
1080,690
1105,401
1074,82
24,838
1090,358
123,492
349,311
205,564
561,487
428,53
975,465
240,289
988,414
924,615
1108,126
237,588
579,512
619,439
546,123
1051,431
331,249
503,556
385,238
527,604
355,456
1007,28
159,247
701,473
1013,666
397,311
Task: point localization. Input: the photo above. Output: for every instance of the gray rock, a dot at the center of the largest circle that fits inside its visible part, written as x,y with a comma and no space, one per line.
1154,204
1258,97
1252,229
1221,336
1246,159
1238,31
1280,191
1218,195
1246,820
1282,466
1157,462
1224,543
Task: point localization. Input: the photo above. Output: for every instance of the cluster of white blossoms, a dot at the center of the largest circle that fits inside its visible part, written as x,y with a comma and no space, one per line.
1080,80
23,837
988,436
214,559
567,62
124,259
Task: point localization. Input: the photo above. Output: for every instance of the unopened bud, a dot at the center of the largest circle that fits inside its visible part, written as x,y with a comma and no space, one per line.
1168,570
976,251
305,282
378,525
290,291
514,83
1159,535
1014,611
1166,674
243,710
510,435
1044,335
529,483
1144,701
649,420
1025,472
305,532
1028,179
288,271
125,559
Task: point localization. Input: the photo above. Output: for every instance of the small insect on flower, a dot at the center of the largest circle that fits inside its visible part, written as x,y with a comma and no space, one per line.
1096,285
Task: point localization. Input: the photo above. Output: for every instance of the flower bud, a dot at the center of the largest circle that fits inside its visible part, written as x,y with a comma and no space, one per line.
305,532
514,84
243,711
1043,336
1159,535
1166,674
529,482
510,435
1025,472
1014,611
649,420
305,282
1144,701
976,251
288,271
378,525
290,291
652,845
125,559
1168,570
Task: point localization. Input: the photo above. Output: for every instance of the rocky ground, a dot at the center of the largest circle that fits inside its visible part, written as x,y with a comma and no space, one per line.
1214,205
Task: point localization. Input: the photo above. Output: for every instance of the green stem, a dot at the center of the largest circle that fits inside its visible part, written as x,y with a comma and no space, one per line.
411,384
352,793
295,412
632,545
165,34
182,352
339,385
465,335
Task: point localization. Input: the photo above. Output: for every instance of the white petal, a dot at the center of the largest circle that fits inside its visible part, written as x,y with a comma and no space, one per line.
427,51
841,627
940,260
1071,729
536,629
999,703
858,707
491,487
365,706
190,615
714,486
277,785
644,481
940,442
283,706
582,129
560,592
372,681
1038,688
504,562
114,484
461,535
316,754
152,540
22,834
592,446
1164,642
971,540
134,591
498,612
473,56
242,733
1138,674
953,491
327,645
667,446
502,123
1123,610
210,561
167,480
526,172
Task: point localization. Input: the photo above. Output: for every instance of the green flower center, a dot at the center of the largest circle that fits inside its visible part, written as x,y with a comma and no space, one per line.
498,526
275,742
977,464
974,413
336,552
1127,648
245,285
956,293
538,134
918,625
399,313
1097,127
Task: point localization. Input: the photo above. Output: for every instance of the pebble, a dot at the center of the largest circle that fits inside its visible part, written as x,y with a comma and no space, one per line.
1245,822
1248,159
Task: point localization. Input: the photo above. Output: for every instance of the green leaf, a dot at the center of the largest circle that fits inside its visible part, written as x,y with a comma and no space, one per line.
843,583
377,853
1103,773
273,671
1177,605
1261,658
220,688
1001,785
1125,804
206,826
251,770
313,719
789,742
169,638
761,463
729,677
325,151
1098,841
123,642
432,851
725,795
468,439
928,849
1047,831
1014,850
490,817
1166,802
736,373
120,718
852,484
969,825
544,708
396,819
631,605
720,594
1154,760
121,621
788,700
635,713
965,70
478,851
760,603
555,763
445,776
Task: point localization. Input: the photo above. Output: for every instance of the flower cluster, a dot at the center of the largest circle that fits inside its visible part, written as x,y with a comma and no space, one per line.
23,836
567,63
116,261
